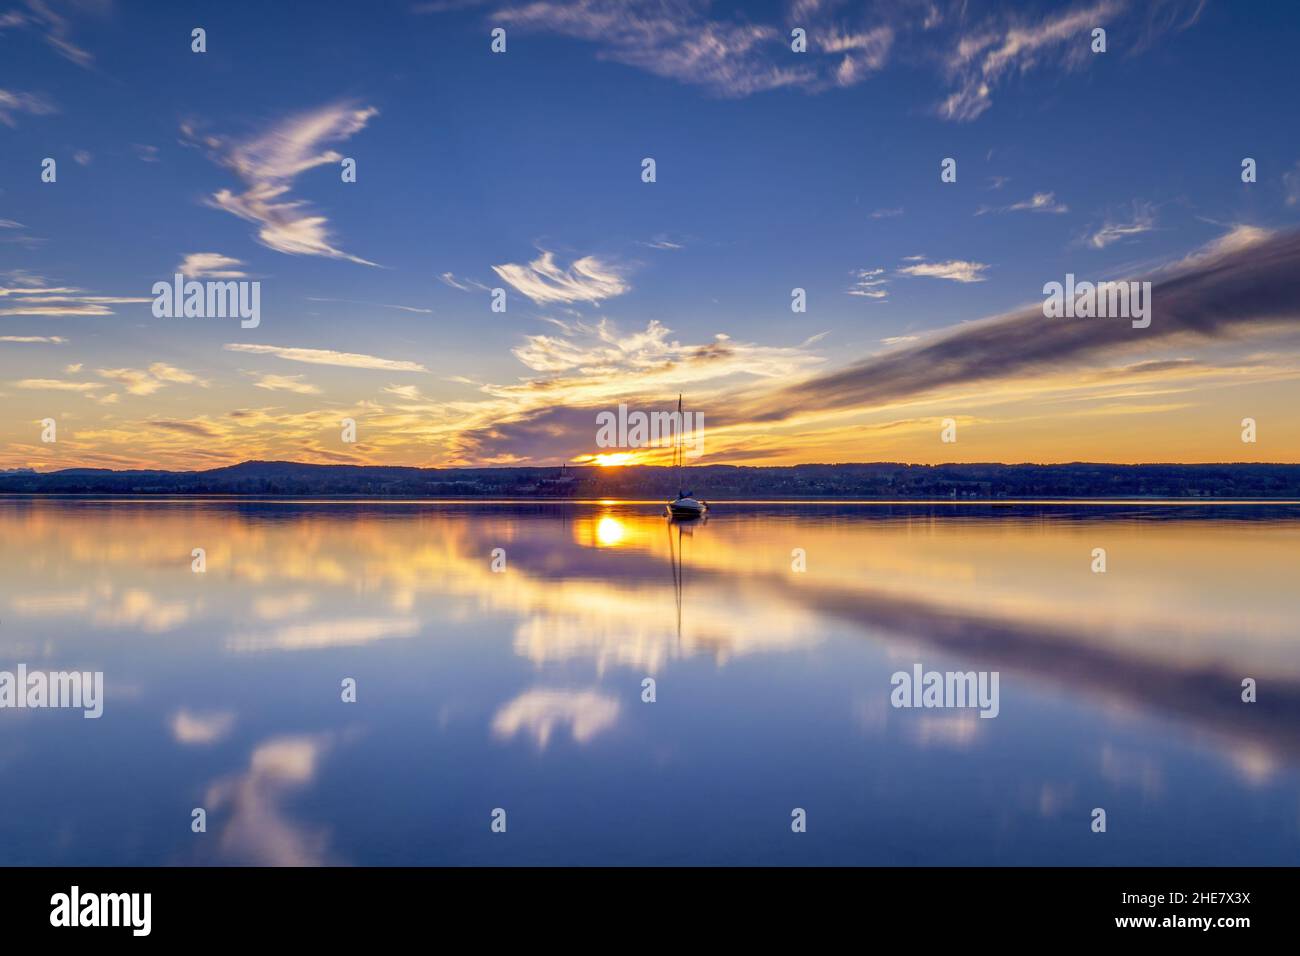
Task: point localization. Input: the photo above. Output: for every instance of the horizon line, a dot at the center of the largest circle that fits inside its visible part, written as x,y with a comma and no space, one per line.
588,466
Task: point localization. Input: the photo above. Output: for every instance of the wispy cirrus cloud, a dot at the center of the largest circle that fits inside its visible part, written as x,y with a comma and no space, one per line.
26,294
56,385
408,392
13,102
198,265
869,284
663,243
588,279
285,383
327,357
1142,218
1291,183
376,305
1011,43
270,162
1038,202
691,42
12,231
954,270
71,305
45,18
738,55
194,429
147,381
34,339
463,285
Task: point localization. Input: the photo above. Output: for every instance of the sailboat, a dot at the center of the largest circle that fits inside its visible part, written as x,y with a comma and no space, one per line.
685,505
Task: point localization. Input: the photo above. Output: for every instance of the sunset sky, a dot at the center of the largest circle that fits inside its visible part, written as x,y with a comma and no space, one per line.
522,170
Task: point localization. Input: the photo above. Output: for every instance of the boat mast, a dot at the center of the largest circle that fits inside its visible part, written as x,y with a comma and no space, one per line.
677,445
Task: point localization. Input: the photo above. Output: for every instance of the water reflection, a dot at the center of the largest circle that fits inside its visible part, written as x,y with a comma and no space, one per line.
479,686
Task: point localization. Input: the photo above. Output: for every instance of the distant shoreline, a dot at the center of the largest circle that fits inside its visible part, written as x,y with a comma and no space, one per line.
878,482
648,502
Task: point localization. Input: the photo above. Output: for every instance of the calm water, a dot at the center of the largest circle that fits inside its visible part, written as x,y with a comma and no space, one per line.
521,689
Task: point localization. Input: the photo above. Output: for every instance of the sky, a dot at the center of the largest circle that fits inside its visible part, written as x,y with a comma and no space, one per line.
774,170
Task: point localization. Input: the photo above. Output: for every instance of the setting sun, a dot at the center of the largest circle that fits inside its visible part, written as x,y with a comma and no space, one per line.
614,459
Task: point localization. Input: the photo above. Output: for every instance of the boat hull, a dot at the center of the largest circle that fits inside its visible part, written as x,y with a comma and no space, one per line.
687,508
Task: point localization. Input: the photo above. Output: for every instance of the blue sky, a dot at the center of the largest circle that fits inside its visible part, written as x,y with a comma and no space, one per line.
775,170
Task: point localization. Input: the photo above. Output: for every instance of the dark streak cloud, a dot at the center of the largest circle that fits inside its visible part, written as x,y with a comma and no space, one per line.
1208,297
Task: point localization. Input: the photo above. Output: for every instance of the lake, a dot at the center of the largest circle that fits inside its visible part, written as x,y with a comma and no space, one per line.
499,655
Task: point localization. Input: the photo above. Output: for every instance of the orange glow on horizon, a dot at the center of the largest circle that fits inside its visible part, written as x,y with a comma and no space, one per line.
614,459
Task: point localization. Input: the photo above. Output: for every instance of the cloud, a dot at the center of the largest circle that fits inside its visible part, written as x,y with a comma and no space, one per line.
464,285
43,17
1142,219
1038,202
197,429
197,265
57,385
539,712
587,280
34,339
285,383
200,728
955,270
376,305
327,357
12,102
146,382
1239,237
731,57
54,310
18,237
138,609
1291,181
1011,44
664,243
408,392
700,43
260,830
268,164
345,632
32,295
1207,296
587,367
870,284
887,213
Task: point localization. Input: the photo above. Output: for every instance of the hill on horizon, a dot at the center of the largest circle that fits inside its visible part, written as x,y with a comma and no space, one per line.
849,480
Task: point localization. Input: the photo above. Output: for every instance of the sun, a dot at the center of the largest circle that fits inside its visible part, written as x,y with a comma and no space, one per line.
614,459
